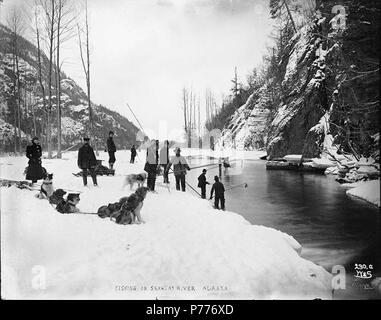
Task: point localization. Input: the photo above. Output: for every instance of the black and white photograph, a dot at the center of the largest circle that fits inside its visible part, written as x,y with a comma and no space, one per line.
190,150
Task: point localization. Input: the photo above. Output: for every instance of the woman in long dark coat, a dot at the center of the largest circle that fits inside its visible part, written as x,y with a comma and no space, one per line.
35,170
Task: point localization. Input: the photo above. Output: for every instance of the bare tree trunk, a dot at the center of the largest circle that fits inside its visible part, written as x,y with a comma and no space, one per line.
42,87
14,105
86,68
18,96
58,81
185,110
199,118
16,25
51,45
34,121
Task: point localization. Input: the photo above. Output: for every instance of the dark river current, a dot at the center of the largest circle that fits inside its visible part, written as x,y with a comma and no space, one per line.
332,227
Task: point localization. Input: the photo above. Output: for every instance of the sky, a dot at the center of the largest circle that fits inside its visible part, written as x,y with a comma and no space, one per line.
143,52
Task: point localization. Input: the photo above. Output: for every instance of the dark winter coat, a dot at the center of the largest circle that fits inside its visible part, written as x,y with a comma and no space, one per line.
33,152
111,145
219,188
202,181
133,151
34,171
86,157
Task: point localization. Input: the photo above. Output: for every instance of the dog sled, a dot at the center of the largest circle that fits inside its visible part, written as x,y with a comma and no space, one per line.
100,170
19,184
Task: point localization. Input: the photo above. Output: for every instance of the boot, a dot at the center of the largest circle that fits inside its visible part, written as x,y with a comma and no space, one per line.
94,177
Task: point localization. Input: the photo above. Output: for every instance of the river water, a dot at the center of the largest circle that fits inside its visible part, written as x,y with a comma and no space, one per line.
333,228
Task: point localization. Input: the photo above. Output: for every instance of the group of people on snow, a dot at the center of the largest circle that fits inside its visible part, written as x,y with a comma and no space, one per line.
158,162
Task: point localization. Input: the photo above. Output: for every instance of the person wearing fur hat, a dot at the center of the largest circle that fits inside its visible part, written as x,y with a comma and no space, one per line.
35,171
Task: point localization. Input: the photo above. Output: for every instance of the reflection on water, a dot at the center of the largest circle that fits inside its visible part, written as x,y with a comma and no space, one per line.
332,227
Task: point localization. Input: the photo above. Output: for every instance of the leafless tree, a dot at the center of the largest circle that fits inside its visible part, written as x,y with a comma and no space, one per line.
49,17
65,28
85,58
16,22
37,31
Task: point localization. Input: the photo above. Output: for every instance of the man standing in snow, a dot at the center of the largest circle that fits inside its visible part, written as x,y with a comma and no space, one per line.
202,183
87,162
111,148
219,188
180,165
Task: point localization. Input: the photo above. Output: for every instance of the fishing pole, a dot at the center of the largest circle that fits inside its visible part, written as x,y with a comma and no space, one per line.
140,125
55,156
185,181
203,166
245,185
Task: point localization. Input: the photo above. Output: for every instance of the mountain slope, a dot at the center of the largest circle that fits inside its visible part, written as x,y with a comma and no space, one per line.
33,116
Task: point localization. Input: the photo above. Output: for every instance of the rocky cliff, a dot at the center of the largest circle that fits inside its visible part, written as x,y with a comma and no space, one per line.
327,86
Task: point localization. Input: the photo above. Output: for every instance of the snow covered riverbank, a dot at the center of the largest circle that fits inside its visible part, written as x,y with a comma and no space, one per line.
186,249
366,190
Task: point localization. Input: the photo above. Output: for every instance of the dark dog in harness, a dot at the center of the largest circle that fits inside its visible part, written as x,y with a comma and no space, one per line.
57,196
69,206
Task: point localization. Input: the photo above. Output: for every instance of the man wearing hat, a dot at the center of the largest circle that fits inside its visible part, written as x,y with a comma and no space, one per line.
180,165
111,148
202,183
219,188
87,162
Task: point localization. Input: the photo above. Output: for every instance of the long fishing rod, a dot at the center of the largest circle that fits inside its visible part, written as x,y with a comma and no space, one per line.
198,167
55,156
140,125
186,182
245,185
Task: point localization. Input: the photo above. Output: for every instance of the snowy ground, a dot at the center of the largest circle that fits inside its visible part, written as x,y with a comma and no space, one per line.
368,191
185,249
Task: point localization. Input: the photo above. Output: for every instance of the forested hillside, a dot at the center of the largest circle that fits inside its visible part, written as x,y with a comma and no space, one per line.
22,109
